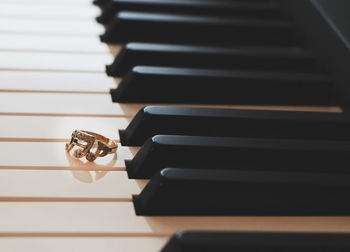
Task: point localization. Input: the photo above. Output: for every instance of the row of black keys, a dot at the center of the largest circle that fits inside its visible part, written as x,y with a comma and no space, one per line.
177,21
205,75
159,84
204,58
231,162
236,179
267,9
196,21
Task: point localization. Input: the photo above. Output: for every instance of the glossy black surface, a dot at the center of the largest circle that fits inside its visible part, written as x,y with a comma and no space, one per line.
144,84
169,120
234,58
238,154
193,29
325,25
267,9
196,192
101,3
192,241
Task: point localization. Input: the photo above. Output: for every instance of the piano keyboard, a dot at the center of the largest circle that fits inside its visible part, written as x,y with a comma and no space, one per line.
53,81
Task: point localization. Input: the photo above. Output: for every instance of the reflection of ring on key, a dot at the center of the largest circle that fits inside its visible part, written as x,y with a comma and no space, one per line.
85,140
84,172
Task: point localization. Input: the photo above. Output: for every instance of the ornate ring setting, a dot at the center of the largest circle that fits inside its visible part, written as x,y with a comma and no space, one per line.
86,140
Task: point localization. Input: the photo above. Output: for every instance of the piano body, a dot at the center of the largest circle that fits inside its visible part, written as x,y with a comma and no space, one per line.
230,116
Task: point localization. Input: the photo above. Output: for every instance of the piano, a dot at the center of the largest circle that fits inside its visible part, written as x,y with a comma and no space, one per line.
230,117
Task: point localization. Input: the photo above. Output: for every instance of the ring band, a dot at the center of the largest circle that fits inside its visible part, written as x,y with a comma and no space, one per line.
86,140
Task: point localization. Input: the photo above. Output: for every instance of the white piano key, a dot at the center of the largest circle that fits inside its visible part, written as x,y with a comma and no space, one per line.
52,156
50,27
86,244
47,11
119,219
56,81
33,61
64,104
71,185
42,43
73,4
57,128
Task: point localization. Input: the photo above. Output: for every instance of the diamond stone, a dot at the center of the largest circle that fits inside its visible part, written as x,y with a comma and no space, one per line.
90,157
105,150
78,153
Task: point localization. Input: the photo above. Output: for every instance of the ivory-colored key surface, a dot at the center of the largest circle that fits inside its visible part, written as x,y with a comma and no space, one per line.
54,62
86,244
44,43
73,4
50,27
40,11
74,185
52,156
56,81
119,219
64,104
57,128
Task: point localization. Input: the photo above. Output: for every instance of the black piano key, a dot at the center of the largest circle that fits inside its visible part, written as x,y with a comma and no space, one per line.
238,153
196,192
101,3
203,7
169,120
145,84
199,241
235,58
192,29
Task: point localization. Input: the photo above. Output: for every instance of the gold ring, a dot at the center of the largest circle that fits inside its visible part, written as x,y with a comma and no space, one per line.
86,140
